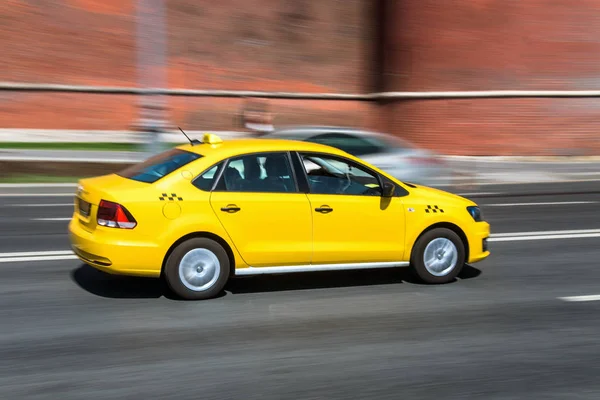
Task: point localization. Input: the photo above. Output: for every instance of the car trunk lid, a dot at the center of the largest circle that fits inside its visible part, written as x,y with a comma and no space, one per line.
91,191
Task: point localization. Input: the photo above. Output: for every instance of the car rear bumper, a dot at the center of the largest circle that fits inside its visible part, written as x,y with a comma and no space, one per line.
478,249
106,251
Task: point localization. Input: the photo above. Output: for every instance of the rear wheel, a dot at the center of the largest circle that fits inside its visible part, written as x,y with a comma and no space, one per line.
197,269
438,256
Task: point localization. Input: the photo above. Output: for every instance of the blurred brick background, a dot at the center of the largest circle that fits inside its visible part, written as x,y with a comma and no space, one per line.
344,46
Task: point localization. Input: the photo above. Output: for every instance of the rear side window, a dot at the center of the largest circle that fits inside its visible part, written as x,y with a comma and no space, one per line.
159,166
207,179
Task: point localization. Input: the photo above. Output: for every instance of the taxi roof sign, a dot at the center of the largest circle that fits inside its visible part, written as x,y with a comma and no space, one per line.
211,138
207,138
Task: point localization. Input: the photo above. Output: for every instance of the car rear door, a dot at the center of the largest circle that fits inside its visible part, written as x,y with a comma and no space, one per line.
267,218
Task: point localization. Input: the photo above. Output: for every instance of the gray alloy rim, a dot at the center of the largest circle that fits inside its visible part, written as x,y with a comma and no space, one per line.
440,257
199,269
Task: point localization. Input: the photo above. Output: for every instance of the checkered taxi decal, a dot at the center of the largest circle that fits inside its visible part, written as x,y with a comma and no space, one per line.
433,209
172,197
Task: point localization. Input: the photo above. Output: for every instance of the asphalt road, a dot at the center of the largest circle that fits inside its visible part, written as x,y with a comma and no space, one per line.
502,331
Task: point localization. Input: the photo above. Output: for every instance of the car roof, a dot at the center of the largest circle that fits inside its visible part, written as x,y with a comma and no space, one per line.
232,147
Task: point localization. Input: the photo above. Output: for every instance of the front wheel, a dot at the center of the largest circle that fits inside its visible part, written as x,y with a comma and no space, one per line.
197,269
438,256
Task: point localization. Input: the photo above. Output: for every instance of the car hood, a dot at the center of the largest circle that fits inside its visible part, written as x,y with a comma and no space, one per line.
427,192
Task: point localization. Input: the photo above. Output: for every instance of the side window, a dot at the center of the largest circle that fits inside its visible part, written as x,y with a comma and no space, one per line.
348,143
206,180
259,173
331,175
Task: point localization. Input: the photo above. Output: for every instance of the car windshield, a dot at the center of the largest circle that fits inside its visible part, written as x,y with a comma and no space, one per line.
161,165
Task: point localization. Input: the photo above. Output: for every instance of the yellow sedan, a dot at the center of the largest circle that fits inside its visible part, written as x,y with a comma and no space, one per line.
198,214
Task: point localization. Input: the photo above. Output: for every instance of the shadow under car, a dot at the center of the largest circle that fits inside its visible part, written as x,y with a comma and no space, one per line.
127,287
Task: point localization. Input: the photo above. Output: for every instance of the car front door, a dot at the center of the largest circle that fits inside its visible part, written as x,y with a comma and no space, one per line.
267,218
352,222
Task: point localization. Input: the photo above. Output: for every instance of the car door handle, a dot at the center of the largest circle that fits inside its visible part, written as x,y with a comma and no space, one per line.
324,209
231,208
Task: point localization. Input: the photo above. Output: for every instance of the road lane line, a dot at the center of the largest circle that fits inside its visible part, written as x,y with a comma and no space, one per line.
479,193
36,185
43,205
543,237
541,233
51,219
40,258
25,256
594,297
589,173
36,253
555,203
37,195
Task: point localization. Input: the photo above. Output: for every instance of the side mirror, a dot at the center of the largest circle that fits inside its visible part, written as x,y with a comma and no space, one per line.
388,189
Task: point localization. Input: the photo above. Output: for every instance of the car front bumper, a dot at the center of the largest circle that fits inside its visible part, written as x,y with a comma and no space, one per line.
478,239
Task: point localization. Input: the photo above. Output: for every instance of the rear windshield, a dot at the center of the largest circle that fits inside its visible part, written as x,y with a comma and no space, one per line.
158,166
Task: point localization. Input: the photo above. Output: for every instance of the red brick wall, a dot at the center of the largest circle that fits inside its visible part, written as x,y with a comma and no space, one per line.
495,45
322,46
290,45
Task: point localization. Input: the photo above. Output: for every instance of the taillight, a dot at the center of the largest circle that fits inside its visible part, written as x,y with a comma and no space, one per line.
114,215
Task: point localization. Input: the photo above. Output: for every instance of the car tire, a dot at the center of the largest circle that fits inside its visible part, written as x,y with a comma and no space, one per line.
438,256
197,269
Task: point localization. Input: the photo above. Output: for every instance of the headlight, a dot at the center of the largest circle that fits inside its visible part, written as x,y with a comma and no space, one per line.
475,213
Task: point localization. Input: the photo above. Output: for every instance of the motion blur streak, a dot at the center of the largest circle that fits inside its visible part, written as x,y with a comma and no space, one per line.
595,297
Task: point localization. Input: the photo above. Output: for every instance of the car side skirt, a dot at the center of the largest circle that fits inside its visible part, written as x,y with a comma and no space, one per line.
317,267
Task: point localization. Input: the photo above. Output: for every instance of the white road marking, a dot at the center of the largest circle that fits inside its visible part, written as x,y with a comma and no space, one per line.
594,297
538,233
36,253
51,219
538,204
37,256
36,185
543,237
40,258
43,205
589,173
37,195
479,193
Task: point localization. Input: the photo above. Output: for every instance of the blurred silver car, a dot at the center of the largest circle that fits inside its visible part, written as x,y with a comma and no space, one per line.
393,155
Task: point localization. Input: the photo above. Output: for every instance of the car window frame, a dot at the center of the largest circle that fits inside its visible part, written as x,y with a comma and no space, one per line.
220,168
287,153
399,191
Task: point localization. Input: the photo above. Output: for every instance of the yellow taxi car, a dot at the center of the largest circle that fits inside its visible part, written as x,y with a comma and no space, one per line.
200,213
